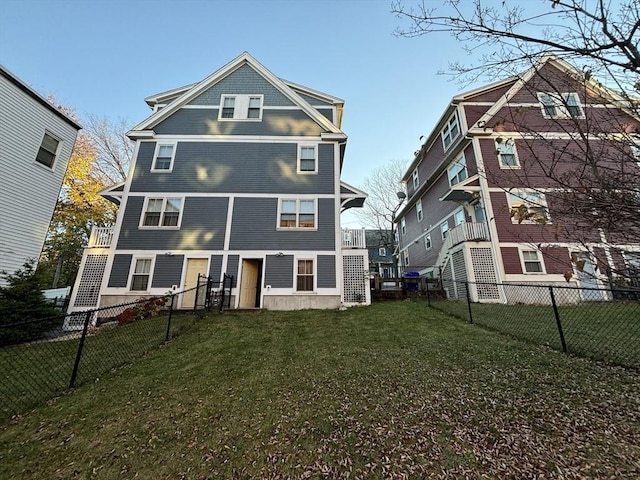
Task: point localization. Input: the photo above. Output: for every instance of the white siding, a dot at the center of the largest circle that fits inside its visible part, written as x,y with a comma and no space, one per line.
28,190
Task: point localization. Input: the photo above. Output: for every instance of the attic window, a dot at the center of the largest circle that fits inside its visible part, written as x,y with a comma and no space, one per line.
241,107
451,131
560,105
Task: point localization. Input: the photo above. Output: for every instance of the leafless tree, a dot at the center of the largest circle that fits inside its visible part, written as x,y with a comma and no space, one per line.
114,148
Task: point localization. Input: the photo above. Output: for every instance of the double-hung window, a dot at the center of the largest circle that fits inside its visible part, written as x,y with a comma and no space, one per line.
531,261
162,212
304,277
241,107
416,179
403,226
458,217
307,159
458,171
528,207
444,229
140,275
163,158
405,257
419,212
451,131
506,150
560,105
427,242
48,150
382,252
297,213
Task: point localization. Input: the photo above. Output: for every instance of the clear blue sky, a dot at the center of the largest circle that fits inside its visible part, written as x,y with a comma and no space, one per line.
103,57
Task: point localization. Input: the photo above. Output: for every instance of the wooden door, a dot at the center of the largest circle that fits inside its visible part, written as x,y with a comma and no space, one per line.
249,283
195,266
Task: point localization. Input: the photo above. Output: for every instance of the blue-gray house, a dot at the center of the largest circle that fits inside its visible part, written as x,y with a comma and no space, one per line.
238,174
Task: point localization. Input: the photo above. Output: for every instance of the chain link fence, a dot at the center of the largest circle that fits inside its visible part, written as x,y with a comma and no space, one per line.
43,358
597,323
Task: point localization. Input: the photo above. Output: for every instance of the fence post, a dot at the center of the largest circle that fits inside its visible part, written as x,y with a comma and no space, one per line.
557,314
428,295
466,287
166,338
76,365
195,301
208,302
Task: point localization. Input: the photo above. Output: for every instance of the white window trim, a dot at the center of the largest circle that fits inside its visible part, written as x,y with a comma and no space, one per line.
297,228
157,151
315,152
55,155
560,103
460,161
427,238
511,142
455,217
419,211
295,275
542,203
241,108
382,252
405,257
141,225
444,231
132,269
447,129
521,251
416,179
403,227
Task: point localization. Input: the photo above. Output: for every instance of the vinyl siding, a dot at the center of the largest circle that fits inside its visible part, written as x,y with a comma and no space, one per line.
203,227
279,271
232,268
243,81
167,271
234,167
511,260
120,270
313,100
215,268
198,121
28,190
254,227
326,271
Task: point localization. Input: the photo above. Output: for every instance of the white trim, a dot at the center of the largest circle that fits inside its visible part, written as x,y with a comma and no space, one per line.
444,232
561,104
174,146
297,199
460,161
296,259
315,159
540,257
521,193
419,211
227,232
242,103
507,142
56,154
132,266
164,199
416,179
425,238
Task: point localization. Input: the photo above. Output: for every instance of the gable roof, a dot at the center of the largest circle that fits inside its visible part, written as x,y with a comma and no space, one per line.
189,92
37,97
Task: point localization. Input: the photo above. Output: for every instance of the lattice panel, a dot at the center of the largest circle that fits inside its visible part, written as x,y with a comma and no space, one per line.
354,275
89,287
459,273
482,263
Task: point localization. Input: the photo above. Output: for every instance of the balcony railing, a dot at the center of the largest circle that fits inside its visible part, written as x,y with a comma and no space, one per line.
101,237
466,232
353,238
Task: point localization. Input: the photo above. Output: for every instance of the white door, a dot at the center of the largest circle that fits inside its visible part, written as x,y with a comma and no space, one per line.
585,270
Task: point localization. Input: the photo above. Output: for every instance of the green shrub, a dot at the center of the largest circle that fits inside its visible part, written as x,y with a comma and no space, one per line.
23,305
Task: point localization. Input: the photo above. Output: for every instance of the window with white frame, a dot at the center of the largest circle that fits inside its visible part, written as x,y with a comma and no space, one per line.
405,257
162,212
140,275
403,226
48,150
528,207
451,131
427,242
307,159
444,229
304,277
506,150
560,105
531,261
297,213
458,217
382,252
419,212
241,107
163,158
457,172
416,179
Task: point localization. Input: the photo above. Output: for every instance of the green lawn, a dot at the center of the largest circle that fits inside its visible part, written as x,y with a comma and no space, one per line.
395,390
607,331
